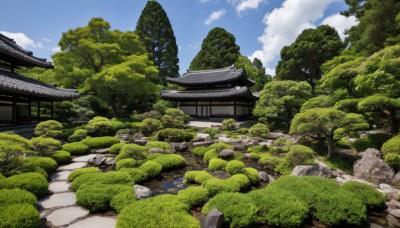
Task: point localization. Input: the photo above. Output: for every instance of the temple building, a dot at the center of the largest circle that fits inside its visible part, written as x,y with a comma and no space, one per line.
219,93
19,95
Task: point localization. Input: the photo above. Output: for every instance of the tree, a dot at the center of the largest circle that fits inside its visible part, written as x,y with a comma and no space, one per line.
282,99
218,50
174,118
12,146
302,60
255,70
155,31
329,123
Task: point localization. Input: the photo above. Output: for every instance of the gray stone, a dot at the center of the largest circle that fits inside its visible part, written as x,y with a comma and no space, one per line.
72,166
65,216
59,186
275,135
247,155
58,200
197,144
220,174
60,176
391,193
346,178
101,151
373,225
251,143
226,154
156,150
141,192
181,147
263,176
95,222
83,158
110,161
97,161
372,168
213,219
395,213
393,204
337,173
393,222
320,169
141,142
396,179
240,147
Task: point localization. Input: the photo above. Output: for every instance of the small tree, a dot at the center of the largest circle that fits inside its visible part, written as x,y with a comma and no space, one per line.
45,145
173,118
98,126
49,128
329,123
12,146
149,125
229,124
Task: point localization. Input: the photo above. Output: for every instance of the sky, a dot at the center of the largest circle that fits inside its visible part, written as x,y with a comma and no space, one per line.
261,27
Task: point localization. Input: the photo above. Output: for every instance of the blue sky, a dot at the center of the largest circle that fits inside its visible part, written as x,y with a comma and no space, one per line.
261,27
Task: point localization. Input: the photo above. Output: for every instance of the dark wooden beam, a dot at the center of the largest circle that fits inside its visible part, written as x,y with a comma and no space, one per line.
14,111
38,111
30,111
234,108
52,110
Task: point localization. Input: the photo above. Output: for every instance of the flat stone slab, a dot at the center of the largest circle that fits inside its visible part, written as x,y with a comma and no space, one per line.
60,176
65,216
72,166
83,158
59,186
95,222
58,200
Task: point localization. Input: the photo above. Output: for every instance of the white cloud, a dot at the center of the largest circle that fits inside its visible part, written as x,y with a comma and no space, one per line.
56,49
284,24
340,23
243,5
214,16
22,40
46,40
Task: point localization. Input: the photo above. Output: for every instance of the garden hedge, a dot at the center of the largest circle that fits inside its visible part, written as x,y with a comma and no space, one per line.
76,148
100,142
19,216
82,171
31,182
170,161
16,196
60,156
102,178
48,164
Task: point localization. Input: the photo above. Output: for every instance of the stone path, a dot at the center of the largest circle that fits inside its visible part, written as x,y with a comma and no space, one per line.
59,208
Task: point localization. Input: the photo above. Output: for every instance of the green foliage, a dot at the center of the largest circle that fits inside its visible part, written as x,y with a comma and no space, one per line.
234,167
60,156
217,186
138,175
229,124
155,144
122,199
255,71
347,105
100,142
217,164
202,176
170,161
371,141
173,118
22,167
150,126
243,131
210,154
11,147
151,168
270,162
99,126
116,148
258,149
44,145
300,155
252,174
211,131
238,209
125,163
371,197
31,182
172,135
78,135
218,50
76,173
110,178
132,151
200,151
76,148
16,196
48,164
219,146
19,216
49,128
193,196
259,130
321,101
391,152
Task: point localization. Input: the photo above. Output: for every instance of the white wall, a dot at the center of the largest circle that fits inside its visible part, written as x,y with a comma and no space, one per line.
220,110
190,110
6,113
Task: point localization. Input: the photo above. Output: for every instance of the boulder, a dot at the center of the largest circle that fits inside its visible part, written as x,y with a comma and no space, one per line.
141,192
320,169
156,150
226,154
393,204
395,213
141,142
213,219
110,162
372,168
247,155
240,147
275,135
346,178
396,179
264,177
251,143
393,221
390,192
98,160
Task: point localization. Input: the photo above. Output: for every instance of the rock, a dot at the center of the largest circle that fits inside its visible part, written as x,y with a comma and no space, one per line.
197,144
393,204
58,200
59,186
396,179
393,222
346,178
110,161
337,173
240,147
65,216
373,225
95,222
141,192
247,155
101,151
372,168
181,147
97,161
391,193
226,154
320,169
220,174
60,176
251,143
156,150
275,135
213,219
141,142
263,176
395,213
72,166
84,158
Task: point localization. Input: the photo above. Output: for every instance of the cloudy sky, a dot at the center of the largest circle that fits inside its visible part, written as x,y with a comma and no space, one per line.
261,27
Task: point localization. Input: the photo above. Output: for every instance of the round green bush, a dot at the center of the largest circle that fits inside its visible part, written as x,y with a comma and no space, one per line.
48,164
100,142
270,162
371,197
19,216
193,196
151,168
28,168
202,176
200,151
393,160
243,131
155,144
216,186
60,156
132,151
31,182
49,128
138,175
229,124
116,148
78,135
170,161
259,130
235,167
217,164
211,131
97,197
252,174
45,145
238,209
122,199
171,135
16,196
150,125
255,156
76,148
210,154
300,155
391,152
219,146
76,173
126,163
102,178
191,175
99,126
241,179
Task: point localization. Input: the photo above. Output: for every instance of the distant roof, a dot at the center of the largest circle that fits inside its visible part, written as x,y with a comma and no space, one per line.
11,52
210,94
216,76
12,83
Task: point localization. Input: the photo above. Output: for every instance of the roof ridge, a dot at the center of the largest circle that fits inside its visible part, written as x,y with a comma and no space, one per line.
233,67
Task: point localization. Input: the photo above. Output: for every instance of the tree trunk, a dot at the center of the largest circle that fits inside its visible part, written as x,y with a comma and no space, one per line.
288,117
331,145
394,127
115,106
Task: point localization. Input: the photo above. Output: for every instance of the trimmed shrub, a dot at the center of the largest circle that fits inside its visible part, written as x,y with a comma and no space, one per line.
76,148
100,142
116,148
391,152
151,168
138,175
220,146
241,179
259,130
122,199
155,144
19,216
193,196
102,178
76,173
48,164
202,176
126,163
211,131
60,156
170,161
258,149
200,151
300,155
16,196
97,197
78,135
99,126
210,154
252,174
174,118
270,162
243,131
217,164
216,186
31,182
229,124
44,145
28,168
371,141
238,209
49,128
132,151
234,167
171,135
150,125
371,197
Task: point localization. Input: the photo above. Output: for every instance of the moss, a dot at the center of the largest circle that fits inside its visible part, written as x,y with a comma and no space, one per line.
259,130
193,196
19,216
371,197
252,174
122,199
234,167
151,168
48,164
126,163
216,186
211,131
132,151
170,161
76,148
171,135
31,182
100,142
210,154
78,135
217,164
16,196
82,171
220,146
102,178
49,128
116,148
202,176
60,156
155,144
138,175
200,151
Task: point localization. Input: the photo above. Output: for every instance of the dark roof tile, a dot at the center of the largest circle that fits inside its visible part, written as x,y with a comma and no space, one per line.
242,92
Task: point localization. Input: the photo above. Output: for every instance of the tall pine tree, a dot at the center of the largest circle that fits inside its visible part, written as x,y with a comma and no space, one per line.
154,29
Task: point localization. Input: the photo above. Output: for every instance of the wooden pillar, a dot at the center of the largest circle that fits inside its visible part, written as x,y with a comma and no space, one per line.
52,109
234,108
14,111
210,109
196,110
30,111
38,111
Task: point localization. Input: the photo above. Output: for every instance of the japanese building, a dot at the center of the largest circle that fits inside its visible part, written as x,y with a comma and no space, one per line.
219,93
19,95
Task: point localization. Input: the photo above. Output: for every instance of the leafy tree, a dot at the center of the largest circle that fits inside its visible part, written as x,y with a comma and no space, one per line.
302,60
329,123
255,70
321,101
174,118
218,50
282,98
45,145
11,147
155,31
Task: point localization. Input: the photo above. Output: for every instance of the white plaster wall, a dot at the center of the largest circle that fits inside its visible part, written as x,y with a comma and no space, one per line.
217,110
190,110
6,113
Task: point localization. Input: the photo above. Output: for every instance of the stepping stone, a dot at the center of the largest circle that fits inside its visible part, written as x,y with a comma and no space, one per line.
65,216
58,200
60,176
83,158
72,166
95,222
59,186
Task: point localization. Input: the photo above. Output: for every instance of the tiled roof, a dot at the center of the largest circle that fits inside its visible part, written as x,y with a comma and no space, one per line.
217,76
10,51
236,92
12,83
